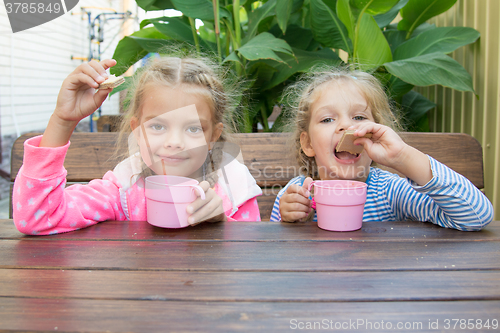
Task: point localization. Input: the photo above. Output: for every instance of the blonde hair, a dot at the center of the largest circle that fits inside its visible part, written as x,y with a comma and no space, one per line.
301,96
206,79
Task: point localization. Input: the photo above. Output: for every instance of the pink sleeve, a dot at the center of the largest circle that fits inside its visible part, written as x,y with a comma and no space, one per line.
249,211
43,205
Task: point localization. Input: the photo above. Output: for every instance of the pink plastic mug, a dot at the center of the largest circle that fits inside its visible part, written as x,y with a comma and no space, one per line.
167,198
339,204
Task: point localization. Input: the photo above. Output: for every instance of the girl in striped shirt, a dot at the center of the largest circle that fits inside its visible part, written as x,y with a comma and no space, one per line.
332,101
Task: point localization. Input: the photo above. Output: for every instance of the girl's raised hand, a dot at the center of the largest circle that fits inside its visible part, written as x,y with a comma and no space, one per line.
78,97
387,148
208,210
294,203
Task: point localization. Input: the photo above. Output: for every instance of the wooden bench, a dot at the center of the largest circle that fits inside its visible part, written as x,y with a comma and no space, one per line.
265,155
109,123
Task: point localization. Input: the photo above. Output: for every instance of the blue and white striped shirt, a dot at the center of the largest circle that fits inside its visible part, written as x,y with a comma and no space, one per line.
448,199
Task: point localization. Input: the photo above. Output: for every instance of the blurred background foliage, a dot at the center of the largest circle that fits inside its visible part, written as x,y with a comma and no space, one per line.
269,43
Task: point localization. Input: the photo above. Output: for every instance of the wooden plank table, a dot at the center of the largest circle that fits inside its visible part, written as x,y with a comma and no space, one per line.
249,276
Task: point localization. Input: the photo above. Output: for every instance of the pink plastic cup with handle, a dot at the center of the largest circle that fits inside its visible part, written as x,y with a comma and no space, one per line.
167,198
339,204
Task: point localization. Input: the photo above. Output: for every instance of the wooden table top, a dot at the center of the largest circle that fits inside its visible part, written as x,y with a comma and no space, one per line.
248,276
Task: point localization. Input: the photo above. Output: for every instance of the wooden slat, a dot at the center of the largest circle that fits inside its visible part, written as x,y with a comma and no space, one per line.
249,256
161,316
264,232
252,286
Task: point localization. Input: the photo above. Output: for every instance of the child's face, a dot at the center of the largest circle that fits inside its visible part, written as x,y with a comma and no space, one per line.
178,128
336,107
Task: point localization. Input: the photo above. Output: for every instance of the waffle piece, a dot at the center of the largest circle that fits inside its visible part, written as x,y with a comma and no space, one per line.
346,142
112,82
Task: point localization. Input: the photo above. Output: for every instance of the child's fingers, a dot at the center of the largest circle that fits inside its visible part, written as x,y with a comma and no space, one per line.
95,71
307,182
365,128
81,79
292,198
99,68
198,203
207,211
107,63
100,96
293,216
203,210
298,190
365,142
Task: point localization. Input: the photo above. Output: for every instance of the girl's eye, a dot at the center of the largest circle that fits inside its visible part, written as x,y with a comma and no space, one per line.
194,129
156,127
359,118
327,120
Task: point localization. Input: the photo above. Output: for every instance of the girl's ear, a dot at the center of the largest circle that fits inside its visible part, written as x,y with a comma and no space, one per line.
217,132
305,143
134,124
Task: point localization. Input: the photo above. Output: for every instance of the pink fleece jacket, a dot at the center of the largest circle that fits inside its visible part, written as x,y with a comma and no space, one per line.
42,204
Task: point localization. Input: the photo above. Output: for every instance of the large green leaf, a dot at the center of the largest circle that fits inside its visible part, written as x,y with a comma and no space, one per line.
345,15
394,38
374,7
432,68
327,27
372,49
297,36
264,46
415,108
422,28
131,48
283,12
256,16
303,61
416,105
444,40
397,88
148,5
201,9
385,19
417,12
177,28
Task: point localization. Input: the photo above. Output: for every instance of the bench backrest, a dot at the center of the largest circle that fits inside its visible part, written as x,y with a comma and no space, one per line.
265,154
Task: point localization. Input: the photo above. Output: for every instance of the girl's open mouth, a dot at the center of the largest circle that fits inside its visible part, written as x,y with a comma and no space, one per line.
346,157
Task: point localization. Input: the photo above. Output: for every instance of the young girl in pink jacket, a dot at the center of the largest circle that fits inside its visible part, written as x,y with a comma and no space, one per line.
175,126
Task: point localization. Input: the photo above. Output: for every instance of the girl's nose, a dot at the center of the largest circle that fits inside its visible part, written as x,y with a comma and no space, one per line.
344,124
174,140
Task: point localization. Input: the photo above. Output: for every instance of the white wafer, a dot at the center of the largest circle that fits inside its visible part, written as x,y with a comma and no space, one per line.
112,82
346,142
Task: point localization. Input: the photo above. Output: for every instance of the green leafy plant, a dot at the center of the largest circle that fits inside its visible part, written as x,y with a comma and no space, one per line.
267,43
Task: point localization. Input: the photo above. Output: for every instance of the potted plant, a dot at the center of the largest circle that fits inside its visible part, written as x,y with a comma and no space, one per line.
268,43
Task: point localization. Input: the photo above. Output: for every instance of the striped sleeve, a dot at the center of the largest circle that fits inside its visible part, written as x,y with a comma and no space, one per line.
448,199
275,213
